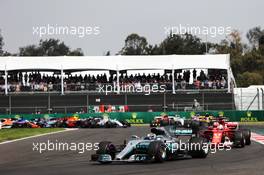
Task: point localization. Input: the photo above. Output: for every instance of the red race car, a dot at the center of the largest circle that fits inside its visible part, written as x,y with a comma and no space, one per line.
163,121
227,133
68,122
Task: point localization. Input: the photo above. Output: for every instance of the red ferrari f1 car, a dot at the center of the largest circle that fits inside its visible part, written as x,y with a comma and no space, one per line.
227,133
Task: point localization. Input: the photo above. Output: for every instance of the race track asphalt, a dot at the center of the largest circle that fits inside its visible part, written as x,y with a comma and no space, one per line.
18,158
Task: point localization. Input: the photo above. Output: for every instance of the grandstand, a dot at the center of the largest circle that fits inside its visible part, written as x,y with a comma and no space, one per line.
27,88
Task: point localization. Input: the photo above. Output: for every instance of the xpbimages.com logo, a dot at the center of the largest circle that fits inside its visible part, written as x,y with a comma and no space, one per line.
147,89
206,147
79,31
211,31
56,145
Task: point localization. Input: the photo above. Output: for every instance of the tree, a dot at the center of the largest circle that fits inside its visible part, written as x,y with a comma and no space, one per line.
50,47
135,45
1,45
182,44
76,52
250,78
254,35
232,45
31,50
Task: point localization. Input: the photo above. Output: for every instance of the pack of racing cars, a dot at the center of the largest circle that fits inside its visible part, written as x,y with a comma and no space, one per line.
159,145
17,123
215,129
65,122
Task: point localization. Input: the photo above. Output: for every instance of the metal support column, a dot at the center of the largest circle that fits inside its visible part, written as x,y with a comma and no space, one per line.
241,99
49,107
62,81
6,76
229,79
258,99
87,103
173,80
117,80
262,96
229,74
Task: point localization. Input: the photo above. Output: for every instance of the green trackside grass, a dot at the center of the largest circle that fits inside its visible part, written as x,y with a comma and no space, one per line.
17,133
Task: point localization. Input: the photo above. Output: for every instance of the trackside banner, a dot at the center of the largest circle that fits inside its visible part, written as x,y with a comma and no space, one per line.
147,117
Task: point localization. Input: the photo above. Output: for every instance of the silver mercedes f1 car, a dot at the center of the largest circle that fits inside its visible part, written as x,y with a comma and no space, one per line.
158,146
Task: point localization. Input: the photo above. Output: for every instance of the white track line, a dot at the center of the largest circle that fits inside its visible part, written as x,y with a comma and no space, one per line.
257,138
50,133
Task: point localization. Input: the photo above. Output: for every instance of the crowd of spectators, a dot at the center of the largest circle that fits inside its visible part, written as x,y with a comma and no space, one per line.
36,81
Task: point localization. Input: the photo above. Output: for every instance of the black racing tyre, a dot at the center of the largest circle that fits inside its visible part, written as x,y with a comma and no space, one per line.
93,124
106,147
187,123
247,135
172,122
108,125
25,125
198,147
14,125
64,125
239,139
195,126
157,151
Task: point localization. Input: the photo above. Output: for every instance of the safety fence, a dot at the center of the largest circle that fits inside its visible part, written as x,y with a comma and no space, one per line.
86,103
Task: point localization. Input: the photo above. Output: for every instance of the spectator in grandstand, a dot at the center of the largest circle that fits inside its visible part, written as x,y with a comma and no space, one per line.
223,82
35,81
194,74
196,105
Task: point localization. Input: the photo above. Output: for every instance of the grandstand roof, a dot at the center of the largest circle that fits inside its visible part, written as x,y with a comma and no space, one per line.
221,61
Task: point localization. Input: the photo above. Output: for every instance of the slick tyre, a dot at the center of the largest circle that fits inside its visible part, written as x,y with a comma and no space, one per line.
199,147
157,151
239,139
247,135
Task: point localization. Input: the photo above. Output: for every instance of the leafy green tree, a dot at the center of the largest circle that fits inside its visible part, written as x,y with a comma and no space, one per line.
76,52
250,78
50,47
182,44
232,45
135,45
254,36
1,45
31,50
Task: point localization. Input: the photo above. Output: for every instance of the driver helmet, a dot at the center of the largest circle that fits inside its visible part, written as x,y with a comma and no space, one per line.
216,124
221,127
151,136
